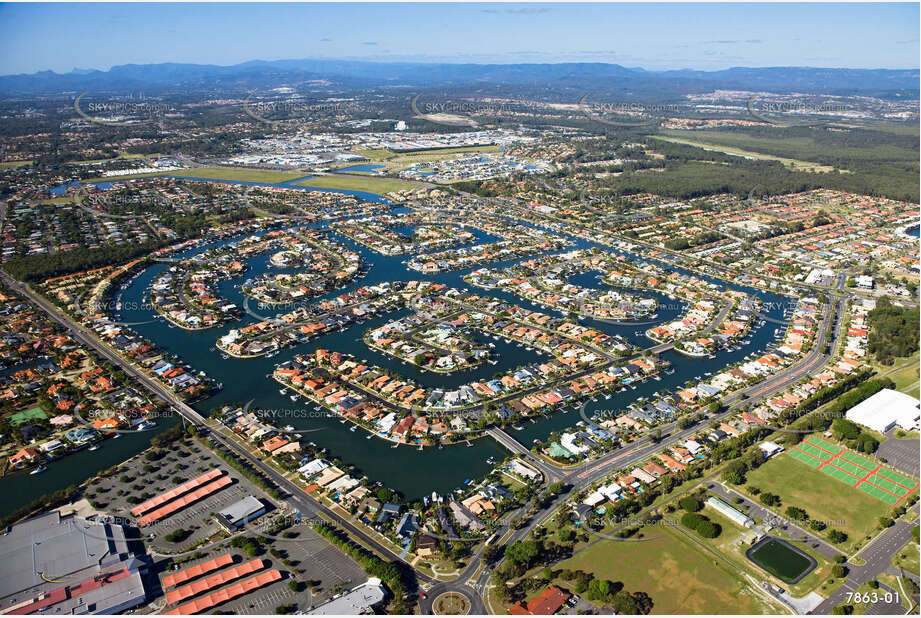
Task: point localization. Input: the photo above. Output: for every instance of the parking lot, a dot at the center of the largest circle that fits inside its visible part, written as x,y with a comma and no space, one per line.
902,454
158,470
320,569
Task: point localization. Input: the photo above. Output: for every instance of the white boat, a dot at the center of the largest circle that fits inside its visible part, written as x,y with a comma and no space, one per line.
38,470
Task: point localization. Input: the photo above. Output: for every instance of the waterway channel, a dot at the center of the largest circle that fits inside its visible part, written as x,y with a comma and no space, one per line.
405,469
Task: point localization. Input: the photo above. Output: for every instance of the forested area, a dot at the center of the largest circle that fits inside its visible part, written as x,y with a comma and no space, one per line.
894,331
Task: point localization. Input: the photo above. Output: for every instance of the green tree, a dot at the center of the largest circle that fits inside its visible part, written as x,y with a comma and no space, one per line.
523,552
690,504
708,529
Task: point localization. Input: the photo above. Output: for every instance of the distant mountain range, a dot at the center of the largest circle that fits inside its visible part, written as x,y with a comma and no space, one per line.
597,78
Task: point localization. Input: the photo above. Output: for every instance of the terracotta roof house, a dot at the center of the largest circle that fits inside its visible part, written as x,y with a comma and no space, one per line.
546,603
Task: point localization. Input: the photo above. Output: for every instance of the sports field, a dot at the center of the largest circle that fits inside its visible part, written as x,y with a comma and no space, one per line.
839,505
680,577
856,470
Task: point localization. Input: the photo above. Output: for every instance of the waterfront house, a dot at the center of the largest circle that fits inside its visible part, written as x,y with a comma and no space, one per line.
388,511
24,457
465,518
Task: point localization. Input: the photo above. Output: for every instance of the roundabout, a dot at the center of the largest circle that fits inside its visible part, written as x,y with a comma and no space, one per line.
451,603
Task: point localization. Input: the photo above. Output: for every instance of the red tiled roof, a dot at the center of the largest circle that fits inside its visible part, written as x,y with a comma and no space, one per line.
175,492
180,577
185,501
63,593
546,603
226,594
214,581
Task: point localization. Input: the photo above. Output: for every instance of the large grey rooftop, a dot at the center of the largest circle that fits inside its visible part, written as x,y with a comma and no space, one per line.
50,551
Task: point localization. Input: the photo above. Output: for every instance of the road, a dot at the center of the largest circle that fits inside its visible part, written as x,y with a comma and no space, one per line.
877,557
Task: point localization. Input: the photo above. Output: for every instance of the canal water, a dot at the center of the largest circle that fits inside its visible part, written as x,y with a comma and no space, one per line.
406,469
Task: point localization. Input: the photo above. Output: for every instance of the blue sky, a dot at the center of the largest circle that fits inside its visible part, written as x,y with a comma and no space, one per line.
60,37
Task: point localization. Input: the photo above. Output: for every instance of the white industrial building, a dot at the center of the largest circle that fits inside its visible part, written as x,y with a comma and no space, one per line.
885,410
732,513
357,601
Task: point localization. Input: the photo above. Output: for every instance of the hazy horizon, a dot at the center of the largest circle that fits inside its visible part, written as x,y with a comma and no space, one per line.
655,37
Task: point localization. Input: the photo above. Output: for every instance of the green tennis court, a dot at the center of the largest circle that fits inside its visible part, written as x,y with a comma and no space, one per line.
841,475
856,470
32,414
878,493
828,446
901,479
863,462
847,466
884,483
806,459
814,451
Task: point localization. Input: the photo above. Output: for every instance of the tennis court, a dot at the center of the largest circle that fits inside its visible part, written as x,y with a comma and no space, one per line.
854,469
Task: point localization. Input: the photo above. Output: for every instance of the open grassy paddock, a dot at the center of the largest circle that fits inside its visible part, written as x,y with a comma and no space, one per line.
793,164
679,577
908,557
905,377
398,161
358,183
5,165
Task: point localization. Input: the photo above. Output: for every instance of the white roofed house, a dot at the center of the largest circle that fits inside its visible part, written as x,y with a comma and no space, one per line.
594,499
312,468
342,484
568,440
769,449
612,492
